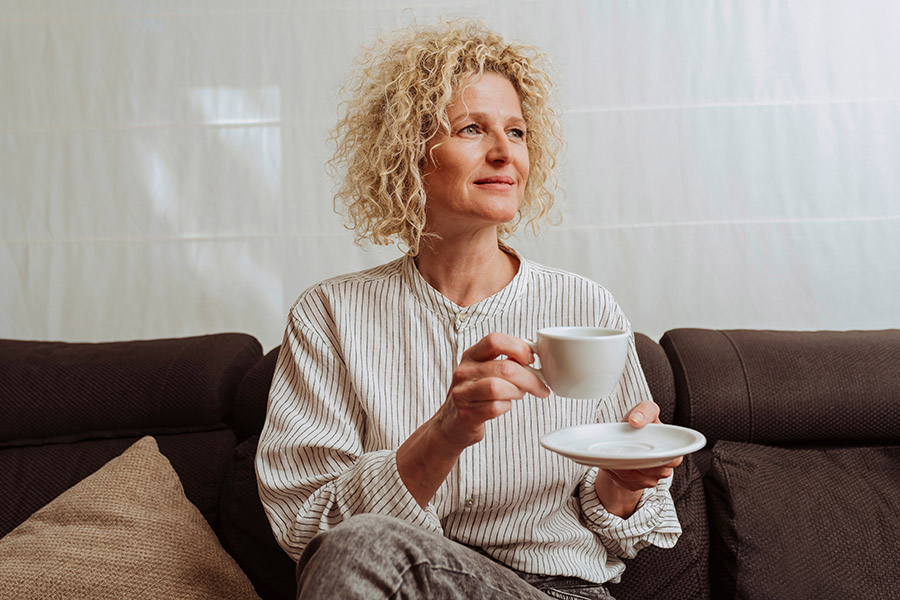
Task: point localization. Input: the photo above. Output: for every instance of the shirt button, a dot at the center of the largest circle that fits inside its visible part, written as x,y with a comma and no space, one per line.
461,320
470,503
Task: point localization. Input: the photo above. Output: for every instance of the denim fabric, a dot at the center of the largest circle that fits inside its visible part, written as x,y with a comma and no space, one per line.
374,557
566,588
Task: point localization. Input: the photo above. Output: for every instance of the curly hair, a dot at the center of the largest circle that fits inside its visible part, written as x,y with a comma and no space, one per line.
398,102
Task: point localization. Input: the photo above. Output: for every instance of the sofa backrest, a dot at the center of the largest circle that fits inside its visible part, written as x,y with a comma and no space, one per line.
787,387
130,387
659,376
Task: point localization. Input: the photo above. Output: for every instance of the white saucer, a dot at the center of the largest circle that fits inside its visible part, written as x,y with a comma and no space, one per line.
621,446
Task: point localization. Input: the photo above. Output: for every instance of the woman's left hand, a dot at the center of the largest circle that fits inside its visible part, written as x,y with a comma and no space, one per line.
621,489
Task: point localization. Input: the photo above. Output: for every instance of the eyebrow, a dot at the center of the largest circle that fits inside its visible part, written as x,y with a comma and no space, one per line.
514,120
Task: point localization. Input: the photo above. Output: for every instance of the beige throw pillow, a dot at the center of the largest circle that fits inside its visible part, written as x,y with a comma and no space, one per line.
127,531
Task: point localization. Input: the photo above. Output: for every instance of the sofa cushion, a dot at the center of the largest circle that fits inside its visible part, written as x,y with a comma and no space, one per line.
253,397
126,531
787,387
132,388
246,533
804,523
32,476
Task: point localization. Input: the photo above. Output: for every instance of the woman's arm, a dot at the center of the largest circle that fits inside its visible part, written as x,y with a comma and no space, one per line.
313,469
482,388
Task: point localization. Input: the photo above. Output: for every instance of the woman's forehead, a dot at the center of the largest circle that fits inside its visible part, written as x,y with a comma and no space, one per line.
485,89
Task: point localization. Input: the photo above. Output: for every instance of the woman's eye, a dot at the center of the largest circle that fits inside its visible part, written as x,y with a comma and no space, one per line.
517,133
469,129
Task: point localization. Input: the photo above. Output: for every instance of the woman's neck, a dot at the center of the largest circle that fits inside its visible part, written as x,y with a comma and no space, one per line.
466,272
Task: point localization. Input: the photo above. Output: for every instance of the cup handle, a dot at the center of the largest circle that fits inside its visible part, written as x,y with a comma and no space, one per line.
534,370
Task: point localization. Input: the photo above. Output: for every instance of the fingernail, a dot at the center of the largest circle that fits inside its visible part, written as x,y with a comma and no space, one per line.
636,418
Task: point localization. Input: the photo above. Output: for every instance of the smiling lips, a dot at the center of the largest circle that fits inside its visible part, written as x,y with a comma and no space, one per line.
496,181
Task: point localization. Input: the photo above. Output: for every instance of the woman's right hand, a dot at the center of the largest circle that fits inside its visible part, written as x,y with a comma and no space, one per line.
484,386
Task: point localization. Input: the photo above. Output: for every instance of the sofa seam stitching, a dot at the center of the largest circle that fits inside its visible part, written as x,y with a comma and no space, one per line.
746,384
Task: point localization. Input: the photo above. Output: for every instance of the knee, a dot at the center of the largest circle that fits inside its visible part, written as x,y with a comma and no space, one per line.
367,540
367,532
368,552
366,525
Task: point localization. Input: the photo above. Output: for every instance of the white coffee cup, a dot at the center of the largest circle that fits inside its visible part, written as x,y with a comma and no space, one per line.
580,362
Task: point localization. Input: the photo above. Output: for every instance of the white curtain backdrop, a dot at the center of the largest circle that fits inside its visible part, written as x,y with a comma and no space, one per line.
730,163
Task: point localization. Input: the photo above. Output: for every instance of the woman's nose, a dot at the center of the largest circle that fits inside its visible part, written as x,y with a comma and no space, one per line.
500,149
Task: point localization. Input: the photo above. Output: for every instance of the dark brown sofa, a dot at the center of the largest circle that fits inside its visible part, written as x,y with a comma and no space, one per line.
797,494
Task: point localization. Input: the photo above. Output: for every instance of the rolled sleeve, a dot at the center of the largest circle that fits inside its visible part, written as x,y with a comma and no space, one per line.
371,485
654,521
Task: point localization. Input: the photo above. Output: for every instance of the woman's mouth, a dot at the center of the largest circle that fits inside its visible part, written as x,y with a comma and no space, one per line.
496,181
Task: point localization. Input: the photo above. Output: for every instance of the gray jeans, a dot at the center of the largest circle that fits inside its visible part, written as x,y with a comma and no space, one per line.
373,557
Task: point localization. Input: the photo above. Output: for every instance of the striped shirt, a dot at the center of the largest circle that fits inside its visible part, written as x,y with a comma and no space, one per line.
368,357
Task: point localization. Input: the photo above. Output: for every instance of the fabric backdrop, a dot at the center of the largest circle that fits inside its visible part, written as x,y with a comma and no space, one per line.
730,163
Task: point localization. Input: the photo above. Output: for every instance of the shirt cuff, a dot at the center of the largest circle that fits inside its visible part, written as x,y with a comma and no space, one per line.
626,536
374,485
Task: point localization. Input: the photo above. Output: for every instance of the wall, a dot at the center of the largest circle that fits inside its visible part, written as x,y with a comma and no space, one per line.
730,163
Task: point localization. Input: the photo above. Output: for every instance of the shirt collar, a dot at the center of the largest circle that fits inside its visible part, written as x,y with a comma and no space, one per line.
447,309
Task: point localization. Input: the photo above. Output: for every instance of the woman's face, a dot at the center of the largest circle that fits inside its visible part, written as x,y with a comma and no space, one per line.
476,175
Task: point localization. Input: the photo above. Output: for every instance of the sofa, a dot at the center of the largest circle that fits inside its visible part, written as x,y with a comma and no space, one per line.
126,468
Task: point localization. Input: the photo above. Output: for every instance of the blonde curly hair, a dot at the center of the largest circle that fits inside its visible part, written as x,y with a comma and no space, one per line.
398,103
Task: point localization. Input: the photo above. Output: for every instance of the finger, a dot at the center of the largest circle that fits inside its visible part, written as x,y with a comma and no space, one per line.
524,380
644,478
472,415
629,481
474,402
662,471
642,413
469,394
479,361
634,480
520,376
655,473
498,344
675,462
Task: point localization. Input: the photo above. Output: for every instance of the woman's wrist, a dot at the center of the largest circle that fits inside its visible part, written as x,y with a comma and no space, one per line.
424,460
616,499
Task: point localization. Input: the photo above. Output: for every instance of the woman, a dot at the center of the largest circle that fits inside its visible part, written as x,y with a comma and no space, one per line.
400,456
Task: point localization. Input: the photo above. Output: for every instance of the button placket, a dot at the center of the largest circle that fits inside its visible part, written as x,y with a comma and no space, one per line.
470,462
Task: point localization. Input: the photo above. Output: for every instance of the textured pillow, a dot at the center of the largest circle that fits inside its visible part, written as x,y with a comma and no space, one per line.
127,531
804,523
